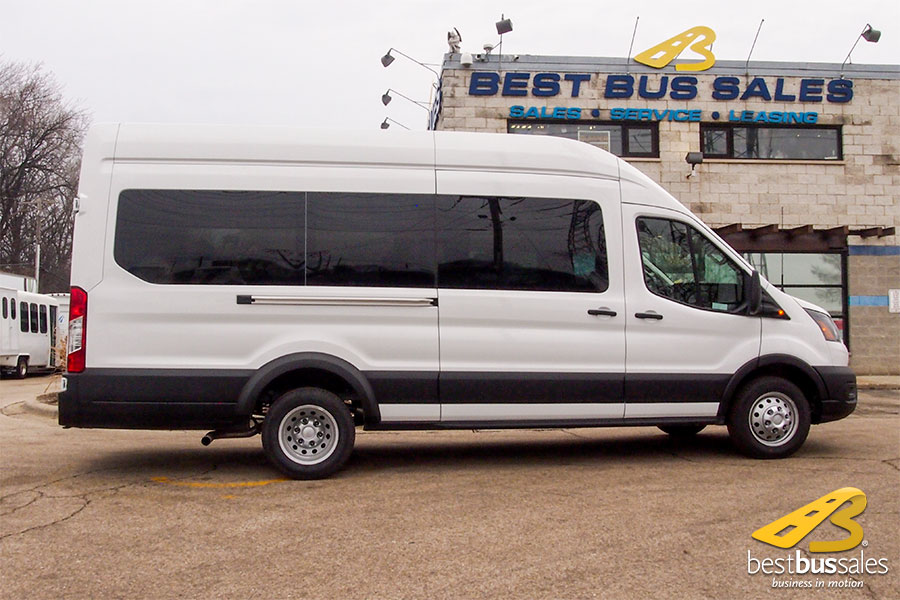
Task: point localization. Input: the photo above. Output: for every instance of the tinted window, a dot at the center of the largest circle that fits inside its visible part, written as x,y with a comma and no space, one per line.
34,317
211,237
23,316
5,309
621,139
521,244
43,314
370,240
683,265
763,142
276,238
12,308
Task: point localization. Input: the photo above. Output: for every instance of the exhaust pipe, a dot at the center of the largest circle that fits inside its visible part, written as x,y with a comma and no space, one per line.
219,434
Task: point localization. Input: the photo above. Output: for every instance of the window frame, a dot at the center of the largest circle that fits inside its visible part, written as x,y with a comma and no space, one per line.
743,312
844,285
729,140
5,308
653,126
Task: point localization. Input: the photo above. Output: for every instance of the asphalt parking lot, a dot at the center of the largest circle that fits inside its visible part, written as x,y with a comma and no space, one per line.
585,513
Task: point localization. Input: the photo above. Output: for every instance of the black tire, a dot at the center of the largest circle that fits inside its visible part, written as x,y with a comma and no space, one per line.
314,422
21,371
682,431
787,425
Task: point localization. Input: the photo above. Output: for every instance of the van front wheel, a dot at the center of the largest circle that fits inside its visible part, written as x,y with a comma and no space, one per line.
770,418
308,433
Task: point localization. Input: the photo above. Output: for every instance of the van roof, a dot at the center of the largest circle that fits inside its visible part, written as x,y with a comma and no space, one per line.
443,150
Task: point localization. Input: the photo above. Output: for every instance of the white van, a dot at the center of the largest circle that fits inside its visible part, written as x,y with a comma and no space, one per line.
27,332
298,283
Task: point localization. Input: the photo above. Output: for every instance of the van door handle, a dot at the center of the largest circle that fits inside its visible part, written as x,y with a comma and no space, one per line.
602,312
649,315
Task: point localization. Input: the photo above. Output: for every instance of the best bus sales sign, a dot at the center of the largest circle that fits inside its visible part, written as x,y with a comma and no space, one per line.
681,87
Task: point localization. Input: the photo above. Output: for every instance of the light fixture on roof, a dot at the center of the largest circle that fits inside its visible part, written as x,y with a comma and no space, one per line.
868,34
386,99
385,124
504,25
693,159
388,58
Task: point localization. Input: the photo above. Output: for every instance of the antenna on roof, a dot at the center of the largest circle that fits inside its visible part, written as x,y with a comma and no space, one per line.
747,64
631,45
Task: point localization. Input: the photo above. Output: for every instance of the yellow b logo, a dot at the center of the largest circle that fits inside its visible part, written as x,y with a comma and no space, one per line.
699,39
791,528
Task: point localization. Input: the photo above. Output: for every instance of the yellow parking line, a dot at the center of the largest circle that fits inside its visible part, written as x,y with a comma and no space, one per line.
236,484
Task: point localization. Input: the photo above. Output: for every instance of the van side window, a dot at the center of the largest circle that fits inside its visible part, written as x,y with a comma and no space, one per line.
537,244
23,317
370,240
682,265
276,238
12,309
5,309
211,237
43,314
34,317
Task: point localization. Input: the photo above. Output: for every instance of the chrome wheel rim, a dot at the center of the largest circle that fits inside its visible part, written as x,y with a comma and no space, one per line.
773,419
308,434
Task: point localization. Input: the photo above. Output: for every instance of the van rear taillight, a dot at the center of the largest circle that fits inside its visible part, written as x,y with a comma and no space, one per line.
77,330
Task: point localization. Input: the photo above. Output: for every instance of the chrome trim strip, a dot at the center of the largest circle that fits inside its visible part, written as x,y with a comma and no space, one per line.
409,413
530,412
671,409
335,301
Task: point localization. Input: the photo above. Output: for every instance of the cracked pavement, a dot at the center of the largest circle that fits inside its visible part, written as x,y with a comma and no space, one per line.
587,513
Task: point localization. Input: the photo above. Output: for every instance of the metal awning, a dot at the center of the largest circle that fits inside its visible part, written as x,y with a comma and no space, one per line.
803,238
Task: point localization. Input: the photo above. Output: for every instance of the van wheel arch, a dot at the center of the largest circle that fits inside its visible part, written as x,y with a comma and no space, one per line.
310,369
784,366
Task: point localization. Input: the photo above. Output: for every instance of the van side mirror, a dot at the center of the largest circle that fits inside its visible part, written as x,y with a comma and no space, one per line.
754,293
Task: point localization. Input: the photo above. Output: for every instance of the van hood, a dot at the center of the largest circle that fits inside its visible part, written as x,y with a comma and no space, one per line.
809,305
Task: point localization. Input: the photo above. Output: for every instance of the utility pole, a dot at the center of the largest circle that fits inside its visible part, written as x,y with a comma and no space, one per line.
37,247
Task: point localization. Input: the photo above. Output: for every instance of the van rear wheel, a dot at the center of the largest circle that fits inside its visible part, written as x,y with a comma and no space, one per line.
22,368
769,419
682,431
308,433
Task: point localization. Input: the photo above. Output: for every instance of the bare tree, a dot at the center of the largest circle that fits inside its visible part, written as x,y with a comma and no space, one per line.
40,153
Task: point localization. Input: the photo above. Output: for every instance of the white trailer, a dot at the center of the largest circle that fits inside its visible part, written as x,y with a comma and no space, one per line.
28,332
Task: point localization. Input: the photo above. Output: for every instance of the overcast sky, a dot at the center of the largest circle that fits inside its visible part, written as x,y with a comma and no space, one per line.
316,64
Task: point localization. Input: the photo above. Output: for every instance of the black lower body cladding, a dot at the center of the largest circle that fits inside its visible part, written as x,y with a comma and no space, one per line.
840,388
152,398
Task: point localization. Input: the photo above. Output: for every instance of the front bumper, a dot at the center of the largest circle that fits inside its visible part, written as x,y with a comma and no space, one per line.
840,394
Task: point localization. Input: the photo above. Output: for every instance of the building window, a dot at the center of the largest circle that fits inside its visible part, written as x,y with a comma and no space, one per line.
816,278
628,140
764,142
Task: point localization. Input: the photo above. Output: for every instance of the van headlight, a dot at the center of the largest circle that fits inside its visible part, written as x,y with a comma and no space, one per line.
826,325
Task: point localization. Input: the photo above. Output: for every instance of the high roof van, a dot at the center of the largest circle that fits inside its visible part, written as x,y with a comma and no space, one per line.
298,284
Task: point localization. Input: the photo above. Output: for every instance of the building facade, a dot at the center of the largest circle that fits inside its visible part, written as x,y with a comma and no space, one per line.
800,163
